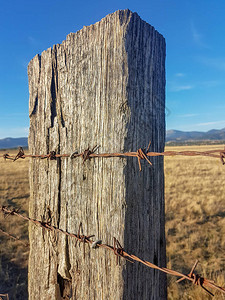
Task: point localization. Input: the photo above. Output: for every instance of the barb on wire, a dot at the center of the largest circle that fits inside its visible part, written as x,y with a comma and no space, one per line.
140,154
222,156
120,252
51,155
82,238
7,156
20,154
4,295
197,280
6,214
86,154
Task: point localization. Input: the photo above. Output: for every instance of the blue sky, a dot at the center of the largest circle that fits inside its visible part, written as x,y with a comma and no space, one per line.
195,63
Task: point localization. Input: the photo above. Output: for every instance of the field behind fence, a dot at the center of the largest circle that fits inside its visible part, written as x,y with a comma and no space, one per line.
195,222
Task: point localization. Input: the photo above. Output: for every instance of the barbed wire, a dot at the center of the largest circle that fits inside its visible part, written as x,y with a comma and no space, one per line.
13,237
118,250
140,154
4,295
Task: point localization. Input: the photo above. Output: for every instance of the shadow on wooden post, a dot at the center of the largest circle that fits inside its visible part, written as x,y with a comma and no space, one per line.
105,86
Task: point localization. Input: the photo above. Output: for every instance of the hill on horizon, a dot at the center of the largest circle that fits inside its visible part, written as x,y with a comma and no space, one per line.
172,136
8,142
184,136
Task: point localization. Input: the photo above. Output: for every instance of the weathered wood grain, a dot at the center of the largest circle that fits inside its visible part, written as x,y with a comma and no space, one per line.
104,85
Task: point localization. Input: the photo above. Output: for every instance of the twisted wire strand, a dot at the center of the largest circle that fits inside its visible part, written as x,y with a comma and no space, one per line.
119,252
13,237
140,154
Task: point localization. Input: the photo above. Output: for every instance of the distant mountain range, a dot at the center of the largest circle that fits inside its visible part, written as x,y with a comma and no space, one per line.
13,142
192,136
172,137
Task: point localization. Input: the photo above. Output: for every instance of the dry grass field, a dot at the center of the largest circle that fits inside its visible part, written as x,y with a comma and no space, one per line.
195,219
195,222
14,192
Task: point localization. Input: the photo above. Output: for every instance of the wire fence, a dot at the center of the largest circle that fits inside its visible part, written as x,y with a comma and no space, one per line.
118,251
13,237
6,296
140,154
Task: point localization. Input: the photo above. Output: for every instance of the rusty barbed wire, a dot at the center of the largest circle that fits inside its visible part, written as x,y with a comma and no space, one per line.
13,237
4,295
119,252
140,154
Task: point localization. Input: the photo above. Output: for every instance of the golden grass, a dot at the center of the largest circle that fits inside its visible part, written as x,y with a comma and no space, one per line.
195,219
14,192
14,187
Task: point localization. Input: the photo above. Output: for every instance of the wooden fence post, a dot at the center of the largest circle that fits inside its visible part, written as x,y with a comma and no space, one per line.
104,85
